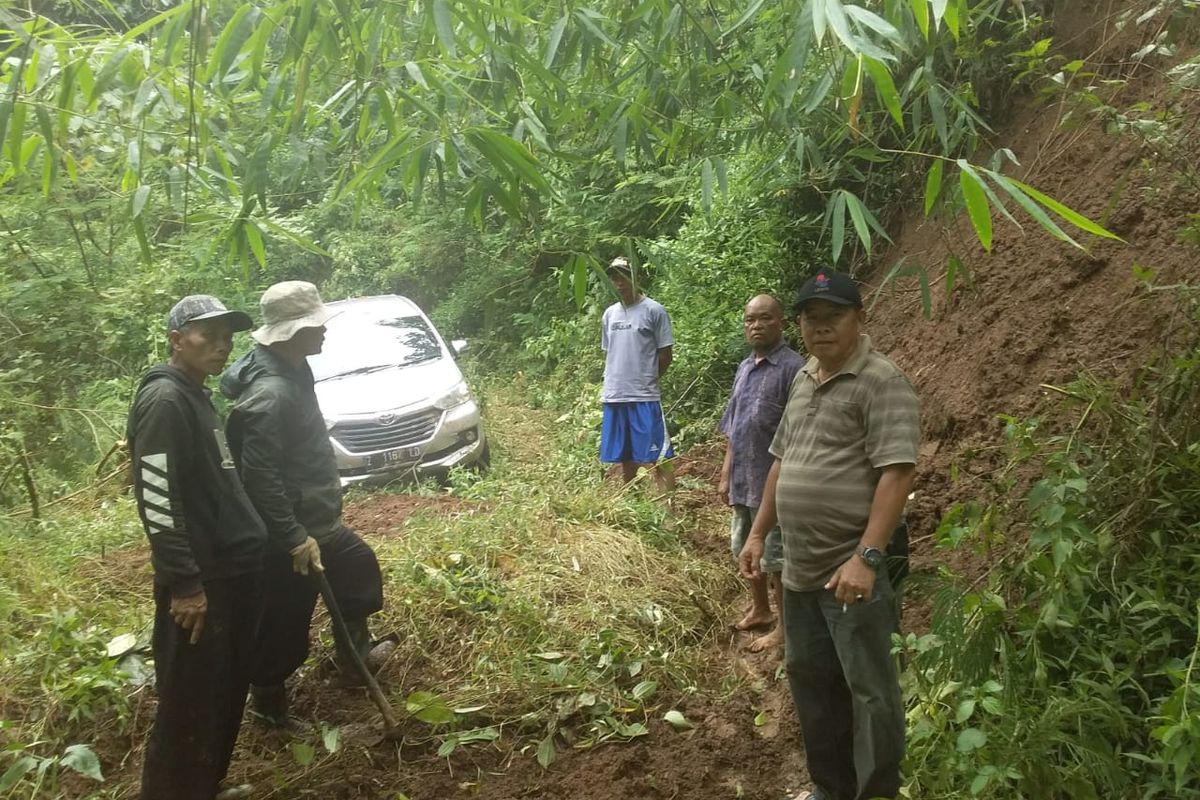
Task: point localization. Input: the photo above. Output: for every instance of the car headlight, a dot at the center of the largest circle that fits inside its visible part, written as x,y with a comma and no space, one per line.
457,395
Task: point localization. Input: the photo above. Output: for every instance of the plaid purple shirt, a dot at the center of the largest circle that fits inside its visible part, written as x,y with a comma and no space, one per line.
760,391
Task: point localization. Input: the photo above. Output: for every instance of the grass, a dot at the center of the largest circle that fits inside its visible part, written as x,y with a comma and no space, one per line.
539,602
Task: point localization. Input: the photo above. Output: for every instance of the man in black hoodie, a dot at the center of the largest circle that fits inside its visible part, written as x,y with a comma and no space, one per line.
282,448
206,545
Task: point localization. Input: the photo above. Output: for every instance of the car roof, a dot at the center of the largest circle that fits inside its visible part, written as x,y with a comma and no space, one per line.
368,306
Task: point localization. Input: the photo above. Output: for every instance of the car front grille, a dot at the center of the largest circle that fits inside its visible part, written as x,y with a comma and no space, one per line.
370,437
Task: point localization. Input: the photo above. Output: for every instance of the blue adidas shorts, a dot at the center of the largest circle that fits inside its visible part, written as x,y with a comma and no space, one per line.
634,432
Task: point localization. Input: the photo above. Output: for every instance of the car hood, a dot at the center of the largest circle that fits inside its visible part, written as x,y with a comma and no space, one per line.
388,389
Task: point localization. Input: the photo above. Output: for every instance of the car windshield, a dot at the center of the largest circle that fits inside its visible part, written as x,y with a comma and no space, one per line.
358,343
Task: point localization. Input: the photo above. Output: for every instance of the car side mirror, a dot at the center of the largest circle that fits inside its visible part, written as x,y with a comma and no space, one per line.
459,346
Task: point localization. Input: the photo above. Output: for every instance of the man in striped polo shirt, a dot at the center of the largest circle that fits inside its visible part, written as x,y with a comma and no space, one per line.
845,458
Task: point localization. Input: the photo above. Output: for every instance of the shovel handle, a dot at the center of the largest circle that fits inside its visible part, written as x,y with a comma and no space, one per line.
340,631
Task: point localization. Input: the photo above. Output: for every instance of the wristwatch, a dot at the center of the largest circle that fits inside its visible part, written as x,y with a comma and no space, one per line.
873,557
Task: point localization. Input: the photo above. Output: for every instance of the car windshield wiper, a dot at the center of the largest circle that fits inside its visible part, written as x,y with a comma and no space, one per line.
357,371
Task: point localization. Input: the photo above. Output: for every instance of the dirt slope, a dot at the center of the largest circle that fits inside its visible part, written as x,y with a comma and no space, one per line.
1041,311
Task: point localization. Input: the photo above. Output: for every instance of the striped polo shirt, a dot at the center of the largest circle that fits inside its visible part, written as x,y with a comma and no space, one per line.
833,440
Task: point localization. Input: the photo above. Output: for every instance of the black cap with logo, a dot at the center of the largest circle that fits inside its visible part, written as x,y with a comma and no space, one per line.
836,287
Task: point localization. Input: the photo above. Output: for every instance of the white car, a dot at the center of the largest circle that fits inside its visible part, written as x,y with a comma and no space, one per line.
394,401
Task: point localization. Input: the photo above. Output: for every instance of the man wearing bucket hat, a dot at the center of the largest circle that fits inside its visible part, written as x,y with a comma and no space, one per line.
206,545
282,448
845,458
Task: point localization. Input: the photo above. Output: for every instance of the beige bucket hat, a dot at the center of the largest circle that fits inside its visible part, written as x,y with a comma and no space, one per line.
286,308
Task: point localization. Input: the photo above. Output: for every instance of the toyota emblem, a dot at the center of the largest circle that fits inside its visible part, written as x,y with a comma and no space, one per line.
387,419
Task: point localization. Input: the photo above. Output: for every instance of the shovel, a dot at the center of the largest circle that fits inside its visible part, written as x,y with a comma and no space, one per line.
343,635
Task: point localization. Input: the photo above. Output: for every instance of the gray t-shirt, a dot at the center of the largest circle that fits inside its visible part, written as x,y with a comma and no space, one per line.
631,336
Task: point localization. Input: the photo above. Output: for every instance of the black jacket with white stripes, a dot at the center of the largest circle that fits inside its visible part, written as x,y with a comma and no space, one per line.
200,523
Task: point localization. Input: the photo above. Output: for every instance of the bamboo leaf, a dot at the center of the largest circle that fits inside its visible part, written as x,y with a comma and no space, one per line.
933,184
620,140
255,240
580,280
1033,209
1070,215
875,22
837,230
920,10
885,89
445,26
139,200
138,31
819,21
556,34
937,110
858,217
589,24
107,74
414,71
232,39
977,205
706,186
746,16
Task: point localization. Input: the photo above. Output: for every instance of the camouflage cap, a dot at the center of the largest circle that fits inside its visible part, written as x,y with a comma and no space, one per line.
196,307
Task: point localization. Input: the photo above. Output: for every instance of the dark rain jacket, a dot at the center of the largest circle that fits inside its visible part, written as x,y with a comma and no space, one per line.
200,523
282,448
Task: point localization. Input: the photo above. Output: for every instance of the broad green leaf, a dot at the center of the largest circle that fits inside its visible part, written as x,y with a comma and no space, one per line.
970,739
951,17
933,184
447,747
964,711
332,739
677,720
429,708
977,206
303,753
644,690
545,751
837,226
445,26
16,771
1070,215
885,88
81,759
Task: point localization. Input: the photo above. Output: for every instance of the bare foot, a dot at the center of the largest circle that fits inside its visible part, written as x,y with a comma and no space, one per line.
768,642
755,619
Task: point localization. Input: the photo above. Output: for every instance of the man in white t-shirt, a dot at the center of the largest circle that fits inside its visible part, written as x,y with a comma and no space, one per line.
637,341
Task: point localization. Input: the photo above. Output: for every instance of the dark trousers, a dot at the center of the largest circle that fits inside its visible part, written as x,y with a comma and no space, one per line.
353,574
846,690
201,690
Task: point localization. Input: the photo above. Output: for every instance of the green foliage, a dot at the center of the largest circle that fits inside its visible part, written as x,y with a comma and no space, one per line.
1071,671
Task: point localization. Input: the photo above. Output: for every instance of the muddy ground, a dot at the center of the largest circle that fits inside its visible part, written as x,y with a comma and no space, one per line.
725,755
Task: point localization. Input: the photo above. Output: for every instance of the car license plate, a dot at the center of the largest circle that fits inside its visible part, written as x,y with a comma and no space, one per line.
388,458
